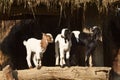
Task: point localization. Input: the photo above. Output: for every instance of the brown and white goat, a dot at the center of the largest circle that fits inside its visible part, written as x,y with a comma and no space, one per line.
37,46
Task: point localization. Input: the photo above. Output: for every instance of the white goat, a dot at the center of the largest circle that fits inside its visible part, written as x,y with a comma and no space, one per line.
37,46
62,46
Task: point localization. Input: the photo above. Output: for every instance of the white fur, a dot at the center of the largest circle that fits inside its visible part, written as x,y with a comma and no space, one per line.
62,48
76,34
34,45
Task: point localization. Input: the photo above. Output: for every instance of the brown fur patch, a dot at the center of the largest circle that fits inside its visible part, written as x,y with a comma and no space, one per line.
49,39
44,43
46,39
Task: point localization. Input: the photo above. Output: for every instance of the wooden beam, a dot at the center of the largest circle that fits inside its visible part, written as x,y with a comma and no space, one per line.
57,73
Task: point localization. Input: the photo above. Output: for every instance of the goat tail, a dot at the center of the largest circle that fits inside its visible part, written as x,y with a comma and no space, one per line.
24,42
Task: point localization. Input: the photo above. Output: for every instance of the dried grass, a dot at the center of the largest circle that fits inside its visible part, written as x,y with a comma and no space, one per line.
5,5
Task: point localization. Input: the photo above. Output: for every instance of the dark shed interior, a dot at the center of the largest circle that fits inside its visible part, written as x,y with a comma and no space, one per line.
31,26
28,28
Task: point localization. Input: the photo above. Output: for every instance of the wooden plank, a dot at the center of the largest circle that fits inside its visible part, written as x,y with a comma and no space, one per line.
7,72
57,73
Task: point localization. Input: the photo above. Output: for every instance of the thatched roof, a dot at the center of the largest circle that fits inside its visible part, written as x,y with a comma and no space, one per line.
20,7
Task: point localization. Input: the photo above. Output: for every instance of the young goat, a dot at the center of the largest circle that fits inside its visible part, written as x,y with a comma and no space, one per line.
62,47
89,40
37,46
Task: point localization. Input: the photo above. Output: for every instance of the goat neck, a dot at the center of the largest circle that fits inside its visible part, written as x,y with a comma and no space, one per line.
44,43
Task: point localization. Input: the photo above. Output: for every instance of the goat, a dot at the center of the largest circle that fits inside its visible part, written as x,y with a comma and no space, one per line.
37,46
62,47
89,40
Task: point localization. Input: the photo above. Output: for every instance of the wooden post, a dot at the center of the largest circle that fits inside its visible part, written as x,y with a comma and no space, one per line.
7,71
116,63
115,71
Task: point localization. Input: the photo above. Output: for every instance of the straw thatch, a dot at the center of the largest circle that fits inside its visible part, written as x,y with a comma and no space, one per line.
19,7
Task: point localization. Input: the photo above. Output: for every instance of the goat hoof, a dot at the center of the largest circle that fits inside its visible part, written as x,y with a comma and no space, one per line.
62,66
30,67
57,65
38,67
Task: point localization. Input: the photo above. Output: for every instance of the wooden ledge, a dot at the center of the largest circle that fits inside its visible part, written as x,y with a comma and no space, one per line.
57,73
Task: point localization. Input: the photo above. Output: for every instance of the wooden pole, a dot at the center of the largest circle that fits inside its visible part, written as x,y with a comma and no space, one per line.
7,72
115,71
